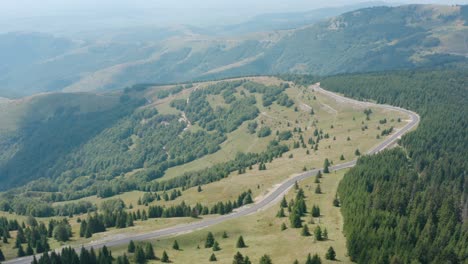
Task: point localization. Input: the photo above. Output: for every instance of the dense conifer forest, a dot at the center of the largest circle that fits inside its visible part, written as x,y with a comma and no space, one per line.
410,204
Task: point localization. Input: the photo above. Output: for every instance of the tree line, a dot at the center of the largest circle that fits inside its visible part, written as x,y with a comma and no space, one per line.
410,209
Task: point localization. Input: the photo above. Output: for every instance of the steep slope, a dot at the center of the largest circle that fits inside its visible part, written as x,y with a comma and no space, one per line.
370,39
39,130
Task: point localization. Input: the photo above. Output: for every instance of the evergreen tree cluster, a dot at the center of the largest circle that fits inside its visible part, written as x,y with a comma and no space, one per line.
113,215
399,209
240,259
149,197
6,226
184,210
270,94
198,110
218,171
69,255
315,259
296,208
33,238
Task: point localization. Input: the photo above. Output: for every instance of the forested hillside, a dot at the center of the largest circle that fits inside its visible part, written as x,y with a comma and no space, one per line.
369,39
71,154
411,204
39,131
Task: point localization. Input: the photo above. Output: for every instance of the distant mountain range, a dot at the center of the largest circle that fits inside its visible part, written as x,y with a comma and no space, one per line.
369,39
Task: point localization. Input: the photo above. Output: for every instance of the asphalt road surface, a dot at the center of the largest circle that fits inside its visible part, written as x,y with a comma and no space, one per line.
268,200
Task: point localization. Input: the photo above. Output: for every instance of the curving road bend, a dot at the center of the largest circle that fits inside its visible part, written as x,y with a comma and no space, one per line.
267,201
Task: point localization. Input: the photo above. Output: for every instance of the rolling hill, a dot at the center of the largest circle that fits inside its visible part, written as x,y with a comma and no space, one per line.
369,39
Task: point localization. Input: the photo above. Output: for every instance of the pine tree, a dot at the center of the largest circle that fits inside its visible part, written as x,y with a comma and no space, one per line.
342,157
296,261
20,235
357,152
326,163
39,247
318,233
120,260
305,231
331,254
88,232
315,211
2,257
17,243
300,194
319,174
225,235
21,252
139,255
283,227
265,259
325,234
83,227
309,259
317,179
29,250
240,242
318,190
280,213
84,256
104,256
295,219
199,189
213,257
165,258
301,207
316,259
175,245
131,247
216,246
247,199
336,202
92,256
238,258
209,240
284,203
149,251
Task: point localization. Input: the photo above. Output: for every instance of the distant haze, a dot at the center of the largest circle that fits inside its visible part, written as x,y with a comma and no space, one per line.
62,15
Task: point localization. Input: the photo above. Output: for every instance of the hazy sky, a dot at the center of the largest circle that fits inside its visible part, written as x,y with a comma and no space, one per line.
57,15
29,7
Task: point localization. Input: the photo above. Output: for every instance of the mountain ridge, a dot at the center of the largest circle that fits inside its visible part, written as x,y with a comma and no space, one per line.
369,39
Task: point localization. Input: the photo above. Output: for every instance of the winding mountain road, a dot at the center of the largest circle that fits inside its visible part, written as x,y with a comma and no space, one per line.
267,201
